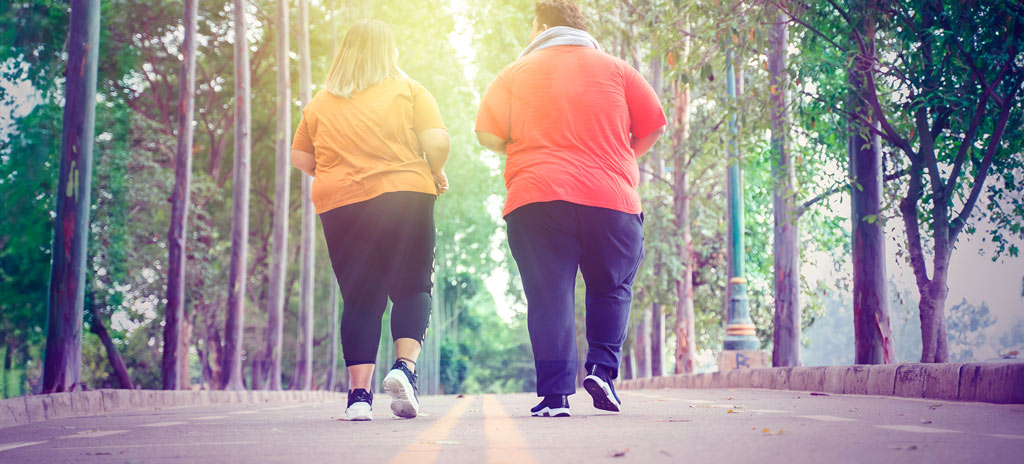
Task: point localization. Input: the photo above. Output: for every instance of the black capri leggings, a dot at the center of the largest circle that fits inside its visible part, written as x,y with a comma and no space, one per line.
380,248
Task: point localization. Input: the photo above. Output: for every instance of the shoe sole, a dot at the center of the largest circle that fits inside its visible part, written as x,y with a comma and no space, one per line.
552,412
403,400
602,394
359,412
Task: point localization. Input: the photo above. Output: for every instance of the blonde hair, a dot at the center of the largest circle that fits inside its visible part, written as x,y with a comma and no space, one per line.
366,57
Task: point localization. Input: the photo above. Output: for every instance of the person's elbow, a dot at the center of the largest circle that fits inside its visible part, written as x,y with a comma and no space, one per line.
656,134
436,142
303,161
491,142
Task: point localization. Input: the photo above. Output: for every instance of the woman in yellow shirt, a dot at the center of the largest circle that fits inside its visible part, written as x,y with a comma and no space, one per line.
375,144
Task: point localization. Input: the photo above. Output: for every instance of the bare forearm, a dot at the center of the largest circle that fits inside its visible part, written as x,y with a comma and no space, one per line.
437,159
436,145
492,142
642,145
304,162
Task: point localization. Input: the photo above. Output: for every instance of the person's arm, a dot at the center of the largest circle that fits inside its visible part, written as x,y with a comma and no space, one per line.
492,142
436,145
642,145
304,161
493,119
646,115
303,149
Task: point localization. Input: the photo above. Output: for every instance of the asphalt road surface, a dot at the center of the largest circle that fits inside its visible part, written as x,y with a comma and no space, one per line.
678,426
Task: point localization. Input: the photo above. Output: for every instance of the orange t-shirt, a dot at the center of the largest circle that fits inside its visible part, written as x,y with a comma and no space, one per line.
366,145
567,113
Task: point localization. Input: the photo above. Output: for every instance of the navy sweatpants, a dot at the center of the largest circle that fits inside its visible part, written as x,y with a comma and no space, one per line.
549,242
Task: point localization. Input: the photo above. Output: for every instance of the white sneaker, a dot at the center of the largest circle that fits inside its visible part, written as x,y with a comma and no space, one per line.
359,409
400,383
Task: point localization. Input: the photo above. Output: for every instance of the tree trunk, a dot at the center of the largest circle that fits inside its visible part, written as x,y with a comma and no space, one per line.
686,343
177,237
627,365
305,357
642,346
235,320
113,356
5,391
62,365
657,339
935,346
332,366
184,376
215,356
282,184
872,336
786,250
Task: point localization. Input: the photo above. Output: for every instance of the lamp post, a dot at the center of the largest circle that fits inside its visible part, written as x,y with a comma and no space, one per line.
740,333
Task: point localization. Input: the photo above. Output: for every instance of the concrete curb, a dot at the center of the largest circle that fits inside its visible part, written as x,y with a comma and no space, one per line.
26,409
989,382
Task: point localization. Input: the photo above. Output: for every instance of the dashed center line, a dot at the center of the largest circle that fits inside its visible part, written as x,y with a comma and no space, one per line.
827,418
243,412
768,411
427,446
504,441
163,424
162,445
281,408
1011,437
95,434
203,418
20,444
916,429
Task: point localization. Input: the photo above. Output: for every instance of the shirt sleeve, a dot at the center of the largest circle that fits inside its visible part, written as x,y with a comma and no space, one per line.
645,112
426,114
303,140
495,109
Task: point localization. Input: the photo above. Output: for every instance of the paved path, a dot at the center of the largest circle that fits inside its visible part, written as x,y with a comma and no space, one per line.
693,426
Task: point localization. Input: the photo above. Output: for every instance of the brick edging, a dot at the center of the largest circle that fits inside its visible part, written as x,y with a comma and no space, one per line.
35,408
988,382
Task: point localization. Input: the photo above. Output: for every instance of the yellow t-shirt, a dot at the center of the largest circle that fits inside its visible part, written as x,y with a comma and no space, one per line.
366,145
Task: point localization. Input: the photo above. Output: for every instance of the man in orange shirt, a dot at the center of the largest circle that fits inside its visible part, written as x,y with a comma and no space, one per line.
572,120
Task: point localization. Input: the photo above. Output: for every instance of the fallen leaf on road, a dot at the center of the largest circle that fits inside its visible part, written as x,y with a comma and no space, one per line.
673,420
852,409
733,412
474,410
730,398
768,431
619,454
934,406
666,453
818,394
926,421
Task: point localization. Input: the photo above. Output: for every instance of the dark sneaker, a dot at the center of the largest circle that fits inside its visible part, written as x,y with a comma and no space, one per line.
400,383
599,385
552,406
360,404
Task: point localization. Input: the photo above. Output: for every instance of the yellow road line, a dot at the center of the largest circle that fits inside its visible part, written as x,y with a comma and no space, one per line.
427,446
504,442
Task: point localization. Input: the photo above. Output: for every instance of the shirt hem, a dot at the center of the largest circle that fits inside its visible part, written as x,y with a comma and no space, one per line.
510,207
338,204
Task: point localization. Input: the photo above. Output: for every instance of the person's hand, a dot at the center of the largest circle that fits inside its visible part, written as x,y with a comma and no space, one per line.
440,181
